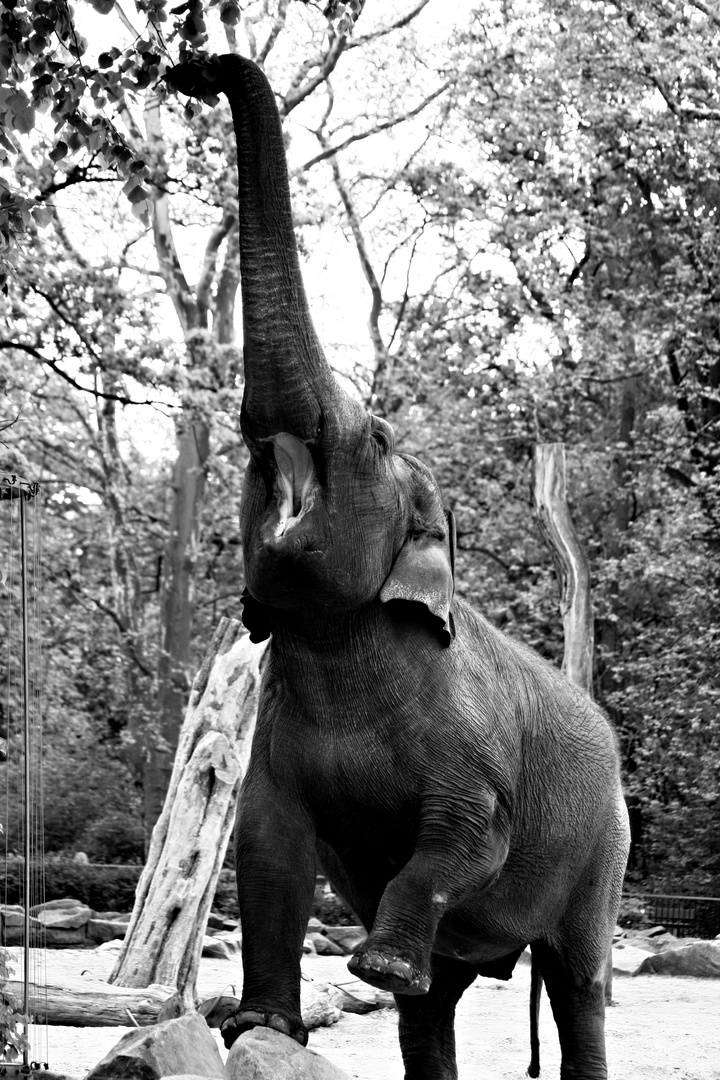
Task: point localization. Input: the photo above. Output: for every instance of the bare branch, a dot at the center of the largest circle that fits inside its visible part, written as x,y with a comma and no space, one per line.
168,259
404,20
202,293
47,362
278,24
325,65
381,354
384,126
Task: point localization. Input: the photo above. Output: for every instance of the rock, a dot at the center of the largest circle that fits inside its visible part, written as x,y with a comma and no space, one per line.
349,937
101,930
360,998
320,1004
702,958
57,937
215,922
325,946
113,916
215,948
65,918
56,905
263,1054
661,942
232,940
13,927
308,947
231,925
81,858
110,946
217,1009
315,926
185,1045
627,959
124,1067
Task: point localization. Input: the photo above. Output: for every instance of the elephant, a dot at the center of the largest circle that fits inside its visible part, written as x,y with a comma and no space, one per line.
458,792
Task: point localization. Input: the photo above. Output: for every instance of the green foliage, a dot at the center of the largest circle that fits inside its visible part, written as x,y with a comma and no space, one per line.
544,238
102,888
12,1041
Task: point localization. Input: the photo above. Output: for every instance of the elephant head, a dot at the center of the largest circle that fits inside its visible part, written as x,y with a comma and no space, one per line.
333,519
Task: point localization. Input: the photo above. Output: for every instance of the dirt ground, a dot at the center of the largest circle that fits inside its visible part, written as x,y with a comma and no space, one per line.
660,1027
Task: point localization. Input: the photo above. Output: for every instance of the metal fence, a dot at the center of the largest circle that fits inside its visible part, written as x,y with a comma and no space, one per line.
684,916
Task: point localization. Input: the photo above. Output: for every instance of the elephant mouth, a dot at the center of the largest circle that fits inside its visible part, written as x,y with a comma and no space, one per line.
295,482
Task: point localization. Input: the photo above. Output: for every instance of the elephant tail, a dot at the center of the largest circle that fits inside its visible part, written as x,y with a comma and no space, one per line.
536,985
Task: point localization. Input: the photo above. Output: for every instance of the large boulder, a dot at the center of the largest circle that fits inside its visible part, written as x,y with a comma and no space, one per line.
185,1045
263,1054
101,930
348,937
628,959
325,946
701,958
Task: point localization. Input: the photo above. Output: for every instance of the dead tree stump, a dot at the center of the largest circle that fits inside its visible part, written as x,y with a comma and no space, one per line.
551,507
163,942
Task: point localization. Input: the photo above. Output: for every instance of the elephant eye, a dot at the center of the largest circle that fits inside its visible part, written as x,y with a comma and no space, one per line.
382,433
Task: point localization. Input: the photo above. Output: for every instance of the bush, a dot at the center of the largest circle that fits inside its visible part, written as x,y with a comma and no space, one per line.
101,887
116,838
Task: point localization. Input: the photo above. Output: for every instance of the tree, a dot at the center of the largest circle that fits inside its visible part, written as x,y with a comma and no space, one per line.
104,310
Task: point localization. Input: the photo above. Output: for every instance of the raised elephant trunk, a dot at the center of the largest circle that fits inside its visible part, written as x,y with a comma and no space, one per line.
288,383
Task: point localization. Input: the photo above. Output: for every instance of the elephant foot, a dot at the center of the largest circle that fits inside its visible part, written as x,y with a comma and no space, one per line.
244,1019
390,973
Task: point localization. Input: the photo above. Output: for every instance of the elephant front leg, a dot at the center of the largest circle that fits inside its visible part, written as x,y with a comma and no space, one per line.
275,865
396,954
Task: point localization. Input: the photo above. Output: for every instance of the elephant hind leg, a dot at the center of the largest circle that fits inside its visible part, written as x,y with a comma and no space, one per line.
427,1022
578,1005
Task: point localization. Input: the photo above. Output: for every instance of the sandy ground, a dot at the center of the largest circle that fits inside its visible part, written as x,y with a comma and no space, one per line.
660,1027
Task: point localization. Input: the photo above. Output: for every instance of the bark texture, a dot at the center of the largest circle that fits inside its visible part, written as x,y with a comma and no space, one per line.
551,507
164,938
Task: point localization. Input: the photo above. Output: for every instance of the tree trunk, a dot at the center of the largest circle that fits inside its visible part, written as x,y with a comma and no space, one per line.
164,938
177,607
551,507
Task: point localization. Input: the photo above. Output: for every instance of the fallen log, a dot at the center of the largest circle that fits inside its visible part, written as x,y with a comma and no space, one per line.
81,1002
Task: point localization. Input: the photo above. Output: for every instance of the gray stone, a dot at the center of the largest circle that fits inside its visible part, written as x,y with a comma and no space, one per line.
325,946
315,926
215,921
263,1054
124,1067
702,958
81,857
100,930
215,948
349,937
58,937
308,947
627,959
56,905
66,918
185,1045
232,940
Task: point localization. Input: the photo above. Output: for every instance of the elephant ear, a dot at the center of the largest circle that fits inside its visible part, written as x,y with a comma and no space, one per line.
424,572
256,617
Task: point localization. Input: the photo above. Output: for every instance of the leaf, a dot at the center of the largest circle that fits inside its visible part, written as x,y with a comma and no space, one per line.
42,216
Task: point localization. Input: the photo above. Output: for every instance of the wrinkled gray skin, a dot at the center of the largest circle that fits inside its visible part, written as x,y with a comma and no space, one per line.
460,794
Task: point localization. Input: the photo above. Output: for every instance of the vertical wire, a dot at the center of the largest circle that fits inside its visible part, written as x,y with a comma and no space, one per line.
8,684
40,682
26,775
